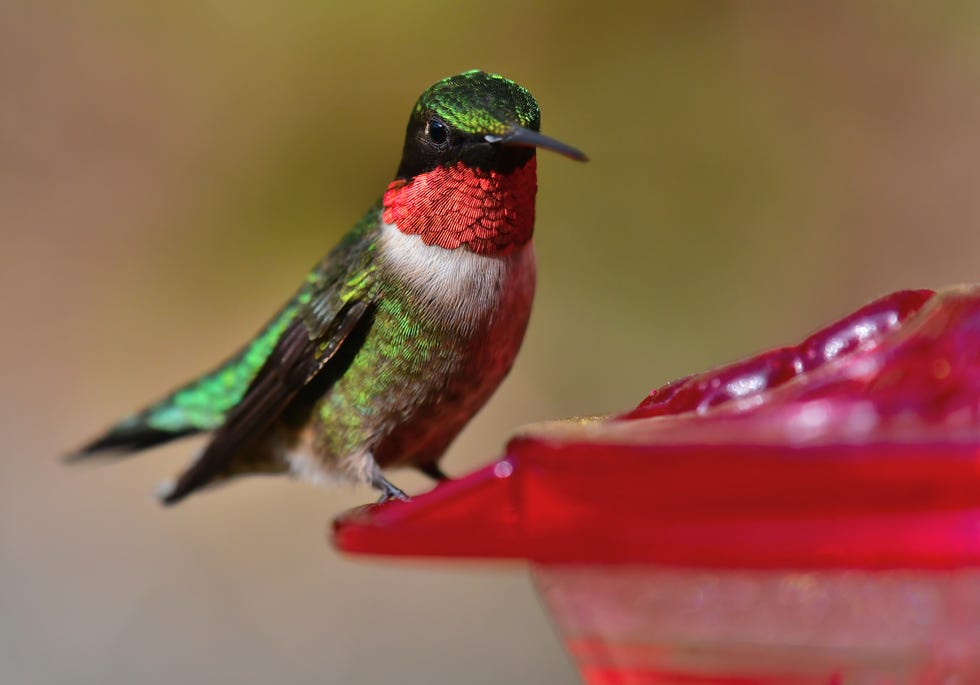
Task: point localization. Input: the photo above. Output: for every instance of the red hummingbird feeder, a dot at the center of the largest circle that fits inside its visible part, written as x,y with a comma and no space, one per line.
809,515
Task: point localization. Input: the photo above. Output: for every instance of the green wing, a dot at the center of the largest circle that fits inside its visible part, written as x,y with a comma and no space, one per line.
343,278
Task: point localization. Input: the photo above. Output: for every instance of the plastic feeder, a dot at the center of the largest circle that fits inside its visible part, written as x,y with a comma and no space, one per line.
809,515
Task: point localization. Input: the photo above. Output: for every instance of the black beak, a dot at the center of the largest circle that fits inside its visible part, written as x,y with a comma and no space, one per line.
517,135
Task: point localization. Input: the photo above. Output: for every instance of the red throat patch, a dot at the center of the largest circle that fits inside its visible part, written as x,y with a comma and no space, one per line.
489,212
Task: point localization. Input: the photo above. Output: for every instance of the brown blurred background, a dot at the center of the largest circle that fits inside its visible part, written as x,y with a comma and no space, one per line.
168,172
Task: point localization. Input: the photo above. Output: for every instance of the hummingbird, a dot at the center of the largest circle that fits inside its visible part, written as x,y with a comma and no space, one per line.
400,334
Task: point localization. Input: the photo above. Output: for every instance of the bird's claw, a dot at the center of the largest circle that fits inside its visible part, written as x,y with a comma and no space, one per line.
389,492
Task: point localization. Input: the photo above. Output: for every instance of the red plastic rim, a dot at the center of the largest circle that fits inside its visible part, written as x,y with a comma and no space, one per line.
860,447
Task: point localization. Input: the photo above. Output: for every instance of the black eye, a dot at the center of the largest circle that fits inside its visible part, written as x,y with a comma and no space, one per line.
437,132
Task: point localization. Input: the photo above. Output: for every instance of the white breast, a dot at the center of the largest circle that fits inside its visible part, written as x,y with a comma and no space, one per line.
461,286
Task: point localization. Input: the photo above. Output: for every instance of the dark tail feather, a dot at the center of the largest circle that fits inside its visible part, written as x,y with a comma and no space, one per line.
124,440
172,491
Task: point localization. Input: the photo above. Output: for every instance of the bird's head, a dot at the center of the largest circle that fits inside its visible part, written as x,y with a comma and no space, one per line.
467,175
483,120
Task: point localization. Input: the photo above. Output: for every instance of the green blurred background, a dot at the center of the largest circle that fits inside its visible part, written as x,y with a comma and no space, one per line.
168,172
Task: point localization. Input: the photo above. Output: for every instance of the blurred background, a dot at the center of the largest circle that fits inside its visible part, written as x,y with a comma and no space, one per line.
169,171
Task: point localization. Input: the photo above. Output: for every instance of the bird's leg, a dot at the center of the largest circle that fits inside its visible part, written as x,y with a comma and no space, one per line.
432,470
388,491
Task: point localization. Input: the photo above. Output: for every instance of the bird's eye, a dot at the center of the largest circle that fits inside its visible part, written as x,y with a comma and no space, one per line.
437,132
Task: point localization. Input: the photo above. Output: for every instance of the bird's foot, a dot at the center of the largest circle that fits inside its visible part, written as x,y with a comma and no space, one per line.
432,470
388,491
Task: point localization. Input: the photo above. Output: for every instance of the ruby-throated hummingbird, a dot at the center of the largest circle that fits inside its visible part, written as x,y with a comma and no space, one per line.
399,336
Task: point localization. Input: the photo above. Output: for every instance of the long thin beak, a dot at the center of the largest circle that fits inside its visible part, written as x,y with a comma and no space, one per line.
518,135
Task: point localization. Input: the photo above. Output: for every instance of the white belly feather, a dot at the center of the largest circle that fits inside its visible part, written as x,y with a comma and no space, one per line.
464,288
